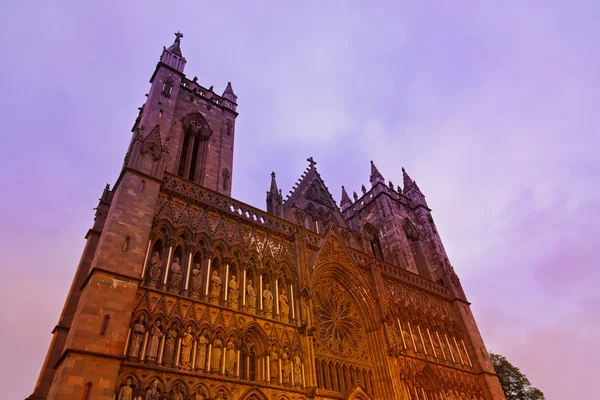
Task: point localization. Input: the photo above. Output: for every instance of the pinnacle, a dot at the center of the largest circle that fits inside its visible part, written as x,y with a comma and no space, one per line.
345,197
274,188
375,174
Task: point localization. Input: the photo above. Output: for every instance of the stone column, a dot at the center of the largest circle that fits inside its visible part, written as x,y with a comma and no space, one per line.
188,272
170,244
244,287
209,255
226,282
146,259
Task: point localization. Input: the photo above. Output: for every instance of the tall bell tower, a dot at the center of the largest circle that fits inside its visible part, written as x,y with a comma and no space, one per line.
182,129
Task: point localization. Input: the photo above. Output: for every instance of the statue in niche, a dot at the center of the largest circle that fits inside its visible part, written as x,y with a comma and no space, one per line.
230,358
175,281
251,299
284,308
202,343
217,352
195,282
215,288
274,364
186,349
287,369
154,270
297,370
137,336
126,393
267,301
153,393
170,341
234,293
177,395
154,342
199,396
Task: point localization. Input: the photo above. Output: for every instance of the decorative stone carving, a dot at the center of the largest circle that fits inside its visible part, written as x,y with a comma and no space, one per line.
297,370
215,288
177,395
230,358
201,355
199,396
154,342
274,364
267,301
217,352
175,277
126,393
154,272
234,293
195,282
284,308
186,349
137,336
169,352
287,369
153,393
251,298
337,321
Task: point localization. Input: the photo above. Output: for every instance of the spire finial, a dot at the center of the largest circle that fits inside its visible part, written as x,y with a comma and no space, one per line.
178,36
345,198
273,183
375,175
312,162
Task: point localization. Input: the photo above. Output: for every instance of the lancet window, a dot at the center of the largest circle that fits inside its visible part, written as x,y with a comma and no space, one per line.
194,147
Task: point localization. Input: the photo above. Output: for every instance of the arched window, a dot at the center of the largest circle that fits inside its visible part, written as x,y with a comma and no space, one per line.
373,235
194,146
416,249
87,391
167,86
104,327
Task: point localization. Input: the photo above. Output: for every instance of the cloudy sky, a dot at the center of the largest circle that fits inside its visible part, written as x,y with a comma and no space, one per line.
491,106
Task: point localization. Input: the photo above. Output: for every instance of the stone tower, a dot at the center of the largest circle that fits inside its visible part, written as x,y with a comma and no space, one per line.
185,293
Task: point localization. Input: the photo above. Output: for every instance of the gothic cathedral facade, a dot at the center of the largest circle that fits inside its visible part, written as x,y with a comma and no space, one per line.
184,293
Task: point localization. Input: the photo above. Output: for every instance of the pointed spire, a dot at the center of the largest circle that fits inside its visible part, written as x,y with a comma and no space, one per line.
174,48
364,189
408,182
391,185
228,89
355,196
375,175
345,199
274,188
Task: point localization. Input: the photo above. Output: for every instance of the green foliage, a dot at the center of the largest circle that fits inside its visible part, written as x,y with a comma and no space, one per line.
515,384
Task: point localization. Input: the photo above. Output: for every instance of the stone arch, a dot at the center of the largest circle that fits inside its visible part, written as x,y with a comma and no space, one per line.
199,388
354,286
162,385
179,382
254,394
194,146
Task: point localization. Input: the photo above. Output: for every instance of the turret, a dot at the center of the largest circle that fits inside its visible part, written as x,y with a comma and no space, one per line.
412,191
274,198
345,202
376,176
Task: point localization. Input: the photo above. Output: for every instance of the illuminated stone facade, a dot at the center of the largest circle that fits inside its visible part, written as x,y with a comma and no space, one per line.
185,293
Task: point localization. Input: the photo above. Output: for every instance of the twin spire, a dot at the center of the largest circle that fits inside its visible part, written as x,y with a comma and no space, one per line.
375,178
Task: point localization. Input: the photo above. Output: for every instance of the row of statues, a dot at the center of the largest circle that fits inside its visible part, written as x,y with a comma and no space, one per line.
174,285
153,393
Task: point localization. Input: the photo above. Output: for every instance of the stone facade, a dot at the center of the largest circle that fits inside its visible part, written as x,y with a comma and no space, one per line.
185,293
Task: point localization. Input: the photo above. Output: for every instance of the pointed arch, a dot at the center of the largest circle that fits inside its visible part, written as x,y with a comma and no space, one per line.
194,146
254,394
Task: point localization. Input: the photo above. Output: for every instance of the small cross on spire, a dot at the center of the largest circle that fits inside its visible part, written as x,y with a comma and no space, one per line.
312,162
178,36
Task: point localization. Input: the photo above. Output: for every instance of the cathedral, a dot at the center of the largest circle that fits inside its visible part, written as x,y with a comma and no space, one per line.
184,293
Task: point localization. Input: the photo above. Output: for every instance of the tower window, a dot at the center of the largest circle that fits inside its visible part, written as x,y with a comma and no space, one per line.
104,328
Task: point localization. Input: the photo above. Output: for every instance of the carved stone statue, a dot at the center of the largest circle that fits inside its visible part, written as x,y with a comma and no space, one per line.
195,282
215,288
287,369
202,343
234,293
126,393
177,395
251,298
199,396
154,342
217,352
175,279
137,336
154,270
169,353
230,358
267,301
284,308
186,349
274,364
153,393
297,370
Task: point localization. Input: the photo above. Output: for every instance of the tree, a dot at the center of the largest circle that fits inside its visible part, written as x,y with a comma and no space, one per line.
514,383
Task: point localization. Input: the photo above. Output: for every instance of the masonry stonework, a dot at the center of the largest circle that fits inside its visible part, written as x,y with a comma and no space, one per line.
184,293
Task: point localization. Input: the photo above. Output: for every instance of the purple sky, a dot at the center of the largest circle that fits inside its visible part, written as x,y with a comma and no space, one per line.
491,106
